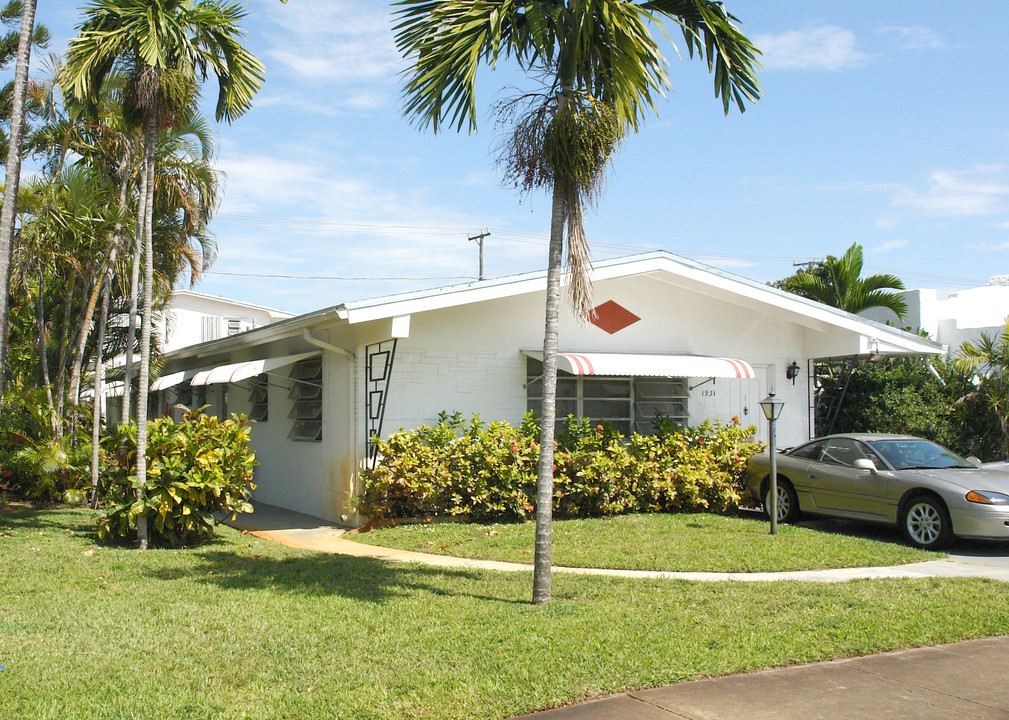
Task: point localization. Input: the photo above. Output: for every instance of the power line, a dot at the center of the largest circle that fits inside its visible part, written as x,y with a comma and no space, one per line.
512,236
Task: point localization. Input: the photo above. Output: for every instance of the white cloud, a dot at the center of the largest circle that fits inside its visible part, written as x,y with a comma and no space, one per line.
333,41
989,246
827,47
981,190
481,178
889,245
914,37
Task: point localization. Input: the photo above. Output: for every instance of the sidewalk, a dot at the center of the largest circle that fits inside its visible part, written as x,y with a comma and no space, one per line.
311,533
963,681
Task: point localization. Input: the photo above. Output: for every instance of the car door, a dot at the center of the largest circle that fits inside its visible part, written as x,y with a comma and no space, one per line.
837,486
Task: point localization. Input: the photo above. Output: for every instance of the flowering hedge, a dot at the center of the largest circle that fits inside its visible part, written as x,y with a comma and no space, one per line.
488,471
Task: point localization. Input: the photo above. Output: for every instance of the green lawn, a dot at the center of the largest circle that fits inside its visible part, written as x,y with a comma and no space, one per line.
685,542
247,629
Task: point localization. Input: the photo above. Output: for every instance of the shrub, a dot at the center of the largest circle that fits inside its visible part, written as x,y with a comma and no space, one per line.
195,467
489,471
481,471
42,457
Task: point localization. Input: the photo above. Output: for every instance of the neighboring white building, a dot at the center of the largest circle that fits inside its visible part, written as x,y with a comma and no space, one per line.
671,335
960,317
192,318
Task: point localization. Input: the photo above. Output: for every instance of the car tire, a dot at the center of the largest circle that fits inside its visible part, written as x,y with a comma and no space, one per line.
925,522
788,501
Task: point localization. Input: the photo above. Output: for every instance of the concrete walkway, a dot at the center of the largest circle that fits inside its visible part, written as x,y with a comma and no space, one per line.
962,681
311,533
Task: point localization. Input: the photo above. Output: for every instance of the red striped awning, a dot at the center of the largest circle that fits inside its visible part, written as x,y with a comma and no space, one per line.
649,365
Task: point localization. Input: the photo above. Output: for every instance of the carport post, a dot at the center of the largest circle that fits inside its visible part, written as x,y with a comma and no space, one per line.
772,410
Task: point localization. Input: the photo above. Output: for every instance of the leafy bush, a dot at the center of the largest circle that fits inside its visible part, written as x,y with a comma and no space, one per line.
481,471
489,471
902,396
195,467
44,458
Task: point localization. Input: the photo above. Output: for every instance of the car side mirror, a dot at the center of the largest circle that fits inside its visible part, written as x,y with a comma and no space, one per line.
976,462
865,464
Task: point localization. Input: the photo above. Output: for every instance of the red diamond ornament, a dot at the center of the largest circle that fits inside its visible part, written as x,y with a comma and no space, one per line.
612,317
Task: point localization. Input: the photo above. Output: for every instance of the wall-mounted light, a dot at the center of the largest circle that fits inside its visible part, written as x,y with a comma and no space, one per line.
792,371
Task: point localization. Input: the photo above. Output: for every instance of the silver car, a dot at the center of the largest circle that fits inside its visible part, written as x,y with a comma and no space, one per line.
929,492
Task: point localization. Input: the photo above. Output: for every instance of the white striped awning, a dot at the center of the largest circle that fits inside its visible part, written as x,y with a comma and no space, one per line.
649,365
172,379
242,371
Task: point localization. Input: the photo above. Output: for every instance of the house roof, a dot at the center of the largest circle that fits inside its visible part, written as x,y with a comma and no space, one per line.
232,302
880,338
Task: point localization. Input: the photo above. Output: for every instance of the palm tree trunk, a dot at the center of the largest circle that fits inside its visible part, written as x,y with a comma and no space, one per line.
81,341
13,177
40,320
92,302
145,325
131,331
96,410
63,344
548,412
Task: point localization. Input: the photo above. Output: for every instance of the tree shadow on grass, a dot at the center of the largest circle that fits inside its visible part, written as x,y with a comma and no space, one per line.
357,578
70,520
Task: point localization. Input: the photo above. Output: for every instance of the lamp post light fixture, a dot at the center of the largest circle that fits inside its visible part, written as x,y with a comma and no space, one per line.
772,411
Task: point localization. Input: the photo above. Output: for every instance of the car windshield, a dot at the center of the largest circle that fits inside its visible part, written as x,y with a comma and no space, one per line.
910,453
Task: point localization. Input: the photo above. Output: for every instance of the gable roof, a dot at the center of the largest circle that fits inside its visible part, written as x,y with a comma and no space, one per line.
661,265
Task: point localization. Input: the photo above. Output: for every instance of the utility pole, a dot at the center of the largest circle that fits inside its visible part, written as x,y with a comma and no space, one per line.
808,264
479,241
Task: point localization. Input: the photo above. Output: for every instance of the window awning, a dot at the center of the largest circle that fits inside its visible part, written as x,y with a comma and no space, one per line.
242,371
648,365
171,380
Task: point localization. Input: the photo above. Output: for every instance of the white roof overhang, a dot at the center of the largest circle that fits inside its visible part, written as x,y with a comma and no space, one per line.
649,365
237,372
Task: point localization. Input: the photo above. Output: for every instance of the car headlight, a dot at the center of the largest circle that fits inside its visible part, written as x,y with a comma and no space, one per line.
987,497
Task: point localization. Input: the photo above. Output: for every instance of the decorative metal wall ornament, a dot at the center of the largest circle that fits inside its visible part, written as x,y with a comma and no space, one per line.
378,372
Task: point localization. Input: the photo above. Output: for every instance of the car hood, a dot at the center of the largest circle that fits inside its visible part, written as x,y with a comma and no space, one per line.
984,478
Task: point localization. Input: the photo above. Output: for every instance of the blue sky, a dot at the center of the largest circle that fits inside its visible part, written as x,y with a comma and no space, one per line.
882,123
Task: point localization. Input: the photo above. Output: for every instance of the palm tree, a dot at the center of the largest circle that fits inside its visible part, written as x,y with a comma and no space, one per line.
600,69
168,46
13,175
988,357
838,282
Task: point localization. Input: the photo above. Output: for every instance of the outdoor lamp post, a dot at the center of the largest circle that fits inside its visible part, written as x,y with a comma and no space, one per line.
772,411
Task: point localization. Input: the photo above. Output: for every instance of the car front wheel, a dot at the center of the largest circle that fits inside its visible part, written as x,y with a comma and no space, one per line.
925,523
788,501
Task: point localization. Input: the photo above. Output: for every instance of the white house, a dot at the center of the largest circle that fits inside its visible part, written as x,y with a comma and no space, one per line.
670,335
960,317
192,318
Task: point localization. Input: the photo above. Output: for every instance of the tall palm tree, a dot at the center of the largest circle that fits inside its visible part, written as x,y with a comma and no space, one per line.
600,68
838,282
168,46
9,209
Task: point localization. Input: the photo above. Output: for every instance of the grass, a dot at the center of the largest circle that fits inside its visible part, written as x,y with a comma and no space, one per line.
685,542
246,629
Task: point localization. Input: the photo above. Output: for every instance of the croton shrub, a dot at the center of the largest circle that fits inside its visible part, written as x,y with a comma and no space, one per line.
196,467
488,471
